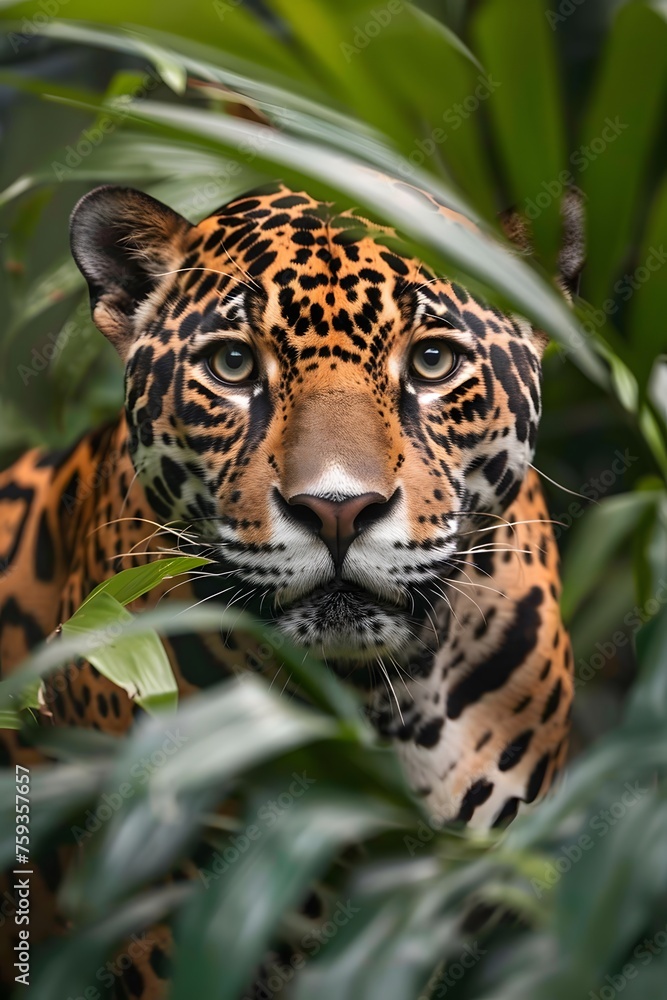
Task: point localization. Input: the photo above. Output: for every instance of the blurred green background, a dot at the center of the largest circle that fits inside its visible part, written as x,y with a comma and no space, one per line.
489,104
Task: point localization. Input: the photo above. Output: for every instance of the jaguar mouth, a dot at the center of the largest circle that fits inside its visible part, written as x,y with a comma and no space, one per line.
345,595
343,621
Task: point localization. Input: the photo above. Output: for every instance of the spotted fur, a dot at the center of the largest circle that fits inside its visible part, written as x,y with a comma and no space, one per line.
436,592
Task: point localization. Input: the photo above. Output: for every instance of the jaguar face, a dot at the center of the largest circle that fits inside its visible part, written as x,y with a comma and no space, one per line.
326,414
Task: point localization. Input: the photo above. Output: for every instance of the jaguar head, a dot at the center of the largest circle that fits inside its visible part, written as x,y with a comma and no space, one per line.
326,413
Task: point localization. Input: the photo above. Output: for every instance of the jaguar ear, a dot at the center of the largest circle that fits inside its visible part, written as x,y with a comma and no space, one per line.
572,255
123,242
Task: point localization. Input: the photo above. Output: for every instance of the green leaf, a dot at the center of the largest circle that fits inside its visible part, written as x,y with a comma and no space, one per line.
472,252
78,346
599,534
650,550
525,110
458,246
139,664
450,119
648,305
604,620
658,387
620,129
316,680
130,584
627,862
237,913
221,751
171,69
626,753
648,701
9,719
172,768
389,950
56,794
71,965
49,290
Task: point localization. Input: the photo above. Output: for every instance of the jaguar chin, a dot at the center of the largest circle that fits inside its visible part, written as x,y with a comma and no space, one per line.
342,621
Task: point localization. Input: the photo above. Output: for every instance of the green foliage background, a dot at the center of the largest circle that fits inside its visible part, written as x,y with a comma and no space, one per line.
346,85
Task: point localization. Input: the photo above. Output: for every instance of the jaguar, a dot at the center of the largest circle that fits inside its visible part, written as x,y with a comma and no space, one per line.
348,436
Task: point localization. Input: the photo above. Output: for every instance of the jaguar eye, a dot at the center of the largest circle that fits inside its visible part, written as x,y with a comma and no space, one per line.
234,362
432,360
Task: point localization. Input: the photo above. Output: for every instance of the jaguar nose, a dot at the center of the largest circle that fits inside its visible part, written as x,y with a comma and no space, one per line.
338,522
